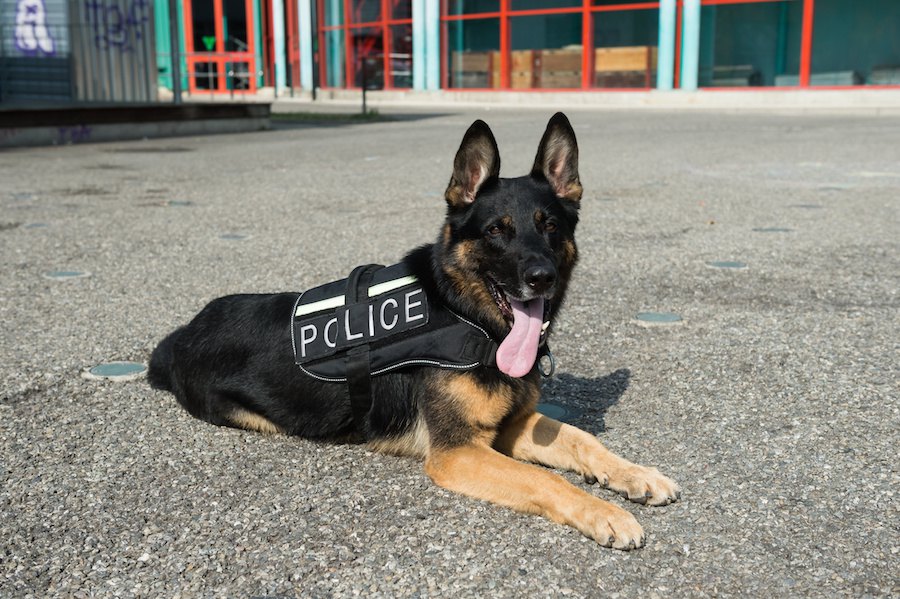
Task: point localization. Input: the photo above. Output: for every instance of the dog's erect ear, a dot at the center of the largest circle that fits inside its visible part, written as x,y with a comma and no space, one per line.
477,161
557,158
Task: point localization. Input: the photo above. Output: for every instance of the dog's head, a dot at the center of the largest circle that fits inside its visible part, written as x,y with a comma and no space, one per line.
509,244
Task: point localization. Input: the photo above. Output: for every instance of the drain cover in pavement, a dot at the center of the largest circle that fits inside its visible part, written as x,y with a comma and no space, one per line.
558,412
233,237
179,203
64,275
35,225
116,371
653,318
734,265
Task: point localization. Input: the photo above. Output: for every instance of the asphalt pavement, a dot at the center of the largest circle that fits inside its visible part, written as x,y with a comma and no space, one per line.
773,401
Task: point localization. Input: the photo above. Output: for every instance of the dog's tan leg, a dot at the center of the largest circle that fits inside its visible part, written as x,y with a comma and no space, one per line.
251,421
537,438
483,473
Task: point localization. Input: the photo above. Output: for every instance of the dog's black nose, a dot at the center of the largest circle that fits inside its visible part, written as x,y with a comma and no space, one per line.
540,278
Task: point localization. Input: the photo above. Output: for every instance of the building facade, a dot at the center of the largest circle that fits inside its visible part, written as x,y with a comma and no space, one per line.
240,45
122,50
77,51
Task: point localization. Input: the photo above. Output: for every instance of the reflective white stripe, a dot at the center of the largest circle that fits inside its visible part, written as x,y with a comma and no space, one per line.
338,301
325,304
391,285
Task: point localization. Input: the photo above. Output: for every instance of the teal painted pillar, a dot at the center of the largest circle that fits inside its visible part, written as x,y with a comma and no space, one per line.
690,44
163,54
418,40
304,15
278,42
257,43
665,63
334,40
432,45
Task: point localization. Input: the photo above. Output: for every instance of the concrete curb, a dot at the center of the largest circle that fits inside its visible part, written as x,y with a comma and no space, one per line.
878,101
63,126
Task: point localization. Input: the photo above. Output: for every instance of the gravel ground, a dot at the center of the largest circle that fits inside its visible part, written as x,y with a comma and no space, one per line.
774,403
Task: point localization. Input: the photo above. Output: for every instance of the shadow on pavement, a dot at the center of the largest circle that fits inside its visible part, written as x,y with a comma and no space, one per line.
588,398
298,120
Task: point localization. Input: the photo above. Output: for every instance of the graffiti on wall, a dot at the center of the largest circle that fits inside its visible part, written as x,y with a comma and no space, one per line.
32,36
116,25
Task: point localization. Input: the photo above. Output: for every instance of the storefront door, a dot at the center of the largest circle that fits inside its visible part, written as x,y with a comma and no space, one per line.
219,46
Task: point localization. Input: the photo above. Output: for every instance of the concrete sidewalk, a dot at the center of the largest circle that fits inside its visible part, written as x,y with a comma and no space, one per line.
774,402
879,101
862,100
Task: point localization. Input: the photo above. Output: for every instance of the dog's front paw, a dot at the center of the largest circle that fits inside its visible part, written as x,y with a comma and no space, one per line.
611,526
644,485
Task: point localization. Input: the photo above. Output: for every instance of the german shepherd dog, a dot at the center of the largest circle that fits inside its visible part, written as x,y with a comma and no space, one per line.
506,250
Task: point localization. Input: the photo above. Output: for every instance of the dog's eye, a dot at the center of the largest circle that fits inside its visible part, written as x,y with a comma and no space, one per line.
495,230
550,227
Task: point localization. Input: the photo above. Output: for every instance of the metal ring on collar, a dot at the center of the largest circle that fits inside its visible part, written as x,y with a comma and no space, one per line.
550,368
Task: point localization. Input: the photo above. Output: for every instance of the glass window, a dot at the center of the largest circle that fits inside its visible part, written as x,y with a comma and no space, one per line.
539,4
473,53
401,55
368,53
204,23
546,51
468,7
401,9
750,44
334,12
609,2
852,45
334,59
381,49
365,11
625,52
234,26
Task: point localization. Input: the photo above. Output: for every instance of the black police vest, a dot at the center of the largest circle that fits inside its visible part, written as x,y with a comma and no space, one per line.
378,320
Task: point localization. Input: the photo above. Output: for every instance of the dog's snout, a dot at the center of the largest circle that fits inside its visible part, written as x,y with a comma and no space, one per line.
540,278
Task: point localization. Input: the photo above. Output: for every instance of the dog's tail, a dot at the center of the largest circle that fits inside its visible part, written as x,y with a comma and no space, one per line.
159,374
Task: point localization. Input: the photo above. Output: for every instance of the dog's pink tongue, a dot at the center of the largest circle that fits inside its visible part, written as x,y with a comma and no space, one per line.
517,353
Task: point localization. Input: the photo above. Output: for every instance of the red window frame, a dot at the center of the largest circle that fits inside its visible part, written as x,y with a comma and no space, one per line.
806,35
587,11
220,57
350,68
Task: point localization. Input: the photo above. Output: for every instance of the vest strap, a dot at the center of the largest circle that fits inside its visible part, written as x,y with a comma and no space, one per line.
359,378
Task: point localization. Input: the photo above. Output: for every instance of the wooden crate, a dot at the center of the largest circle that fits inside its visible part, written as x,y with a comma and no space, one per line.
560,60
522,68
523,60
556,69
475,69
560,79
471,61
521,80
625,58
622,79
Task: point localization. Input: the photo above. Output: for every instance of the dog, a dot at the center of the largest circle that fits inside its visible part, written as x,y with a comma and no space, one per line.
500,266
